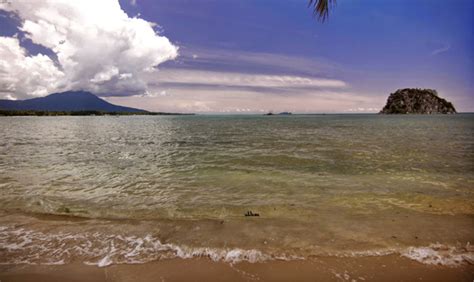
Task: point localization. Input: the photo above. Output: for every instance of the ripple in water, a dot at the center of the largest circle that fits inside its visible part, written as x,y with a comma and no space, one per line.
319,183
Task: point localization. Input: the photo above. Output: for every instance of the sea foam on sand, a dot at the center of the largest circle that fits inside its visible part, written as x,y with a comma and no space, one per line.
23,246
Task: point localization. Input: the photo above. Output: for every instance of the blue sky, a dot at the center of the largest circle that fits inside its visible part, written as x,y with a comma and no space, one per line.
255,56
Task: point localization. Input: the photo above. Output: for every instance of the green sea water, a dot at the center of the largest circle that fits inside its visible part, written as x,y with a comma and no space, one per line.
321,184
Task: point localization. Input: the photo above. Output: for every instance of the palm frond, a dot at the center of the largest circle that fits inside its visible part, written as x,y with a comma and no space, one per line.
321,8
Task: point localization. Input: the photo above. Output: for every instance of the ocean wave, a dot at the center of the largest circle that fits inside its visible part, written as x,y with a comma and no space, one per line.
23,246
439,254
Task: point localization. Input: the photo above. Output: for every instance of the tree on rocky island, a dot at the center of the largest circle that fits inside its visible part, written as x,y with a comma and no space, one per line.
417,101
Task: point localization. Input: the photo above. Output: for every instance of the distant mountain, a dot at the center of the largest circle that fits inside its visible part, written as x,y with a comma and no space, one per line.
417,101
69,101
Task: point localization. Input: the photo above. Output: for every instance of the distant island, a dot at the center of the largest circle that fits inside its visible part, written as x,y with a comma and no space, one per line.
68,103
281,114
417,101
84,113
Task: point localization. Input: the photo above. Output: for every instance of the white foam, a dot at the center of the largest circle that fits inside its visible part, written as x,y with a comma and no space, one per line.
33,247
366,253
438,254
105,261
22,246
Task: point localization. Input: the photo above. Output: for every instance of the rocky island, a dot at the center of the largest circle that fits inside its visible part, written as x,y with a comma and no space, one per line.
417,101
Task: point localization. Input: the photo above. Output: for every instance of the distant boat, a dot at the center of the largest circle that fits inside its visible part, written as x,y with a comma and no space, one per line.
269,114
285,113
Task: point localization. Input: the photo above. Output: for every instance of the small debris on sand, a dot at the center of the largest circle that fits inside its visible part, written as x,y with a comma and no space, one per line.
250,213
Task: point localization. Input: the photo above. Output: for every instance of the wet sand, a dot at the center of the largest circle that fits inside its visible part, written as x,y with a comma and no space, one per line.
386,268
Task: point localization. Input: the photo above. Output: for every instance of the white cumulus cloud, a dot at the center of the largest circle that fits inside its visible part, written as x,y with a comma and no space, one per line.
20,73
99,48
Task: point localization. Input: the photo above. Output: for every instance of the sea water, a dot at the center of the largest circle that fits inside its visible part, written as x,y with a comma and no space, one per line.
132,189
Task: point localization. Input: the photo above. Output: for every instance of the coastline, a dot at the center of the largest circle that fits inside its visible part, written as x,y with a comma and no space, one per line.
383,268
340,199
28,240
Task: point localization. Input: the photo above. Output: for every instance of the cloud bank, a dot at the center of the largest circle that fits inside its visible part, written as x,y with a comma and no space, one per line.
206,91
196,78
248,101
98,48
233,81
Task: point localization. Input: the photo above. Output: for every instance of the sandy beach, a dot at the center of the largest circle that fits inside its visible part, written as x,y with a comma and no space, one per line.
387,268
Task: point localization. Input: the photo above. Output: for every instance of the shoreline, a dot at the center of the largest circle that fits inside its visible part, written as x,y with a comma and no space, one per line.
337,198
37,239
384,268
